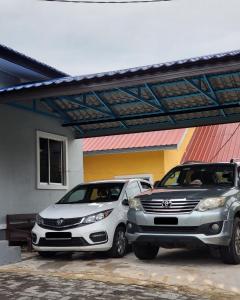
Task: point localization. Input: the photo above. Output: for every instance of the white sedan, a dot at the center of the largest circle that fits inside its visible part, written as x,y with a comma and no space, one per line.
91,217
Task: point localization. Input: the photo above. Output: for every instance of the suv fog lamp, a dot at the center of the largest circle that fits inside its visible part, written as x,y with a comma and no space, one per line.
129,225
215,227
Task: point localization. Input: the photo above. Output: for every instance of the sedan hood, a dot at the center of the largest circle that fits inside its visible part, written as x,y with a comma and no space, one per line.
180,193
75,210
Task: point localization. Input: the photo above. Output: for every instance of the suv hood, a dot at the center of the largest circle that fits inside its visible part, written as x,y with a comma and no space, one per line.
180,193
75,210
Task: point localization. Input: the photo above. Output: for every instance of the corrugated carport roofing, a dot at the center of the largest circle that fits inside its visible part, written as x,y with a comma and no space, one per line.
192,92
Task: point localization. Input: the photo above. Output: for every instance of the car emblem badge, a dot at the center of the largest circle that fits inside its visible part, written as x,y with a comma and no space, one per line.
60,221
166,203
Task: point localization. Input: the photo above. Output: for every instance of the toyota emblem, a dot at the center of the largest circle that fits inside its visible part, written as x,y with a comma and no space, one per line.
166,203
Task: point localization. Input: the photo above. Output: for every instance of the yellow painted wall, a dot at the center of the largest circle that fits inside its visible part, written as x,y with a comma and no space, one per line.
110,165
157,163
173,157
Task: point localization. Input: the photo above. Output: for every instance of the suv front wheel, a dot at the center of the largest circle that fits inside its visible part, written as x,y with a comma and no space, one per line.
231,254
145,251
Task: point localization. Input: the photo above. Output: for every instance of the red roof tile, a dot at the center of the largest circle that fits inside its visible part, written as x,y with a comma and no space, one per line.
134,140
216,143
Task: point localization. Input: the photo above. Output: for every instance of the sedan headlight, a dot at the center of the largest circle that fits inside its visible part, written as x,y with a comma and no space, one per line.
39,220
96,217
135,203
211,203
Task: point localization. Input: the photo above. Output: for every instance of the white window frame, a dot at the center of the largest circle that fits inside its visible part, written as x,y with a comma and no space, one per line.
3,226
60,138
139,176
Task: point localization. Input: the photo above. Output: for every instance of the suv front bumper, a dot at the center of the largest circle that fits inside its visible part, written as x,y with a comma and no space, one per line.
177,240
192,229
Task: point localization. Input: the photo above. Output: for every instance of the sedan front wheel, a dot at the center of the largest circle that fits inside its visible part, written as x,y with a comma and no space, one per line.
120,243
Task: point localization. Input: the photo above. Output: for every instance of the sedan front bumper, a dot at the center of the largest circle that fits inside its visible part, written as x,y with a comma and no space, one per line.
79,240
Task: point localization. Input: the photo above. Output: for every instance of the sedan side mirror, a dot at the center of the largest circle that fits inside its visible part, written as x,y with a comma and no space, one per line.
125,202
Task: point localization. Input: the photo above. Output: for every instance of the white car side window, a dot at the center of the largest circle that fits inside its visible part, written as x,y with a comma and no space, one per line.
133,190
145,186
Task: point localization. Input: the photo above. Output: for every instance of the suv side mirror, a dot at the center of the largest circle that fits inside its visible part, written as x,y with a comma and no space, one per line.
125,202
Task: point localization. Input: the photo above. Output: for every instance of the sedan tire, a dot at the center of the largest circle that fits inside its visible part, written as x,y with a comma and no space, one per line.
120,243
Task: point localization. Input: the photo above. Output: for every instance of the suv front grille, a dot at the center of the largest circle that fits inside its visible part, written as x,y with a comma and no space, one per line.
56,224
162,206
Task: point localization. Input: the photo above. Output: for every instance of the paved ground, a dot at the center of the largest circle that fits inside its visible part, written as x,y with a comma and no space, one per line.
24,287
173,274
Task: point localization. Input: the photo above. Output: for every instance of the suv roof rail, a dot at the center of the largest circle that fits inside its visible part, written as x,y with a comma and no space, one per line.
233,160
192,162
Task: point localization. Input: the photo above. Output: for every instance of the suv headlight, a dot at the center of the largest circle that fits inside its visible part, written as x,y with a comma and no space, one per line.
39,220
96,217
135,203
211,203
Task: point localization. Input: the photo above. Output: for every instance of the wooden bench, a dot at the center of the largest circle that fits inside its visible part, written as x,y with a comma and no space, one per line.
19,228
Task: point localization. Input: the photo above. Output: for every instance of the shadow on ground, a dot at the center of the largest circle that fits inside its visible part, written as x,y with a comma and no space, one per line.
180,257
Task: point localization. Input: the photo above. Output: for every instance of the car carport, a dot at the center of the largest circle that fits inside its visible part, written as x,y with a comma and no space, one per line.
186,93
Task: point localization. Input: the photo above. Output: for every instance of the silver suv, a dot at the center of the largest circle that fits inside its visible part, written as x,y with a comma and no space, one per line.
194,204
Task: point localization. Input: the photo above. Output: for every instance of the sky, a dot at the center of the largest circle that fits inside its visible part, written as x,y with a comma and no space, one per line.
88,38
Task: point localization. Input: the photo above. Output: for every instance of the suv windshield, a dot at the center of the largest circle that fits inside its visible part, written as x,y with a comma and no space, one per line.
199,175
92,193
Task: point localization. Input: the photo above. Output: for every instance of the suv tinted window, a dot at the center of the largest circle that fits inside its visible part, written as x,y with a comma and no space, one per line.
199,175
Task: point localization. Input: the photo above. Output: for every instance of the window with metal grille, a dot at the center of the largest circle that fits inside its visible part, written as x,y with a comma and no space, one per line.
52,159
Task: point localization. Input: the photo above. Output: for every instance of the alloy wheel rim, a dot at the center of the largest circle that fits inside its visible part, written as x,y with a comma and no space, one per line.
237,240
121,242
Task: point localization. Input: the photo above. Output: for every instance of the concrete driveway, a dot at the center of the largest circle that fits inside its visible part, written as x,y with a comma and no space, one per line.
179,271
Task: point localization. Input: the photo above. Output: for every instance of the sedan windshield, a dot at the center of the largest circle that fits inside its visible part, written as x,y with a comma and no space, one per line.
200,175
92,193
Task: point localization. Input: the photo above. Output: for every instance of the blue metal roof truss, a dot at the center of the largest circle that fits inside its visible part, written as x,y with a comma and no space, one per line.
209,98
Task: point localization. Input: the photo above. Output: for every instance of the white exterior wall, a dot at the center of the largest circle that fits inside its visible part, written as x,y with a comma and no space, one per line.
18,164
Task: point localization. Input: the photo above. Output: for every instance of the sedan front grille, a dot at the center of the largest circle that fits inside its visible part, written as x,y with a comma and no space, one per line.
73,242
170,206
61,223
